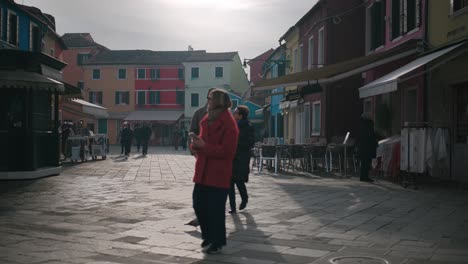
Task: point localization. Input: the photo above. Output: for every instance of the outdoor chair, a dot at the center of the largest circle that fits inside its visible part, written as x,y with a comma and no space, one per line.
268,153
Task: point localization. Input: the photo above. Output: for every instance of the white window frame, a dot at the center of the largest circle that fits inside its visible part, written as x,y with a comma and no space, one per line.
92,74
118,74
94,98
31,26
8,27
311,54
138,75
321,48
136,99
313,133
120,97
222,72
149,96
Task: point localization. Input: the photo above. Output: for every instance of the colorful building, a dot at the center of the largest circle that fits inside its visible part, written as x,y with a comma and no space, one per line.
207,70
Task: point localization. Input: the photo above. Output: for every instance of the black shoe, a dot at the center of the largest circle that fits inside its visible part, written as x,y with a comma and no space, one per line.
214,249
205,243
232,211
243,205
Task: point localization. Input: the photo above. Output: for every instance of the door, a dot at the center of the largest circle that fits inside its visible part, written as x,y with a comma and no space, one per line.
102,126
460,152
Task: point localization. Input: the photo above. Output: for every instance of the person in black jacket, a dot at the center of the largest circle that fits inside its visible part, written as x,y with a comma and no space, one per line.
367,146
127,136
241,163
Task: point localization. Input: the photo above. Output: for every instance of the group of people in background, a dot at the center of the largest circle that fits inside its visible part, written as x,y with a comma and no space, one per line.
142,135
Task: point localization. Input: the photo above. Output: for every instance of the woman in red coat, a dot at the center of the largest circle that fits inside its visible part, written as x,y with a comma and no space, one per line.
215,149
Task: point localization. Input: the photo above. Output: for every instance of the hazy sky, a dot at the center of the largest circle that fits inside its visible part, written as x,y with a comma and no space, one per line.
248,26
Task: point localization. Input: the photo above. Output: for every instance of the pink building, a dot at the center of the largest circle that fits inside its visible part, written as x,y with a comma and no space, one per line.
138,86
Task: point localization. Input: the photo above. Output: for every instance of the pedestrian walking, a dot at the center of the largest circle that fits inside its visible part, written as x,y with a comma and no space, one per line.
145,137
138,136
121,140
241,163
175,137
214,150
183,138
127,136
366,143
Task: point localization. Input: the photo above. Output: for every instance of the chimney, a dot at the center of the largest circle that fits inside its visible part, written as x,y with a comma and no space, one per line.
190,48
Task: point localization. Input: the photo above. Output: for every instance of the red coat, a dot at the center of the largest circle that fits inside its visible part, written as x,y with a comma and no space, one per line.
214,161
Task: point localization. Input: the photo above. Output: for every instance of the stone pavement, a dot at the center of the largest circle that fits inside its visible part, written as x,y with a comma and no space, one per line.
133,211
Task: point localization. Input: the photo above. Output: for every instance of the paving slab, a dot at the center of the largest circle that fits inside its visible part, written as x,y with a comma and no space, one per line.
134,210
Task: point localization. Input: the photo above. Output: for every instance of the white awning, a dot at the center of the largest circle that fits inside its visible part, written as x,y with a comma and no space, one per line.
294,104
389,82
259,111
92,109
156,115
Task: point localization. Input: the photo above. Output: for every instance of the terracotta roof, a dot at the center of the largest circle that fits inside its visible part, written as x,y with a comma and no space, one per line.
221,56
142,57
79,40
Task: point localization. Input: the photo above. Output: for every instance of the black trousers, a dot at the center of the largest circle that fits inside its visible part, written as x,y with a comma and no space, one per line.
122,147
232,193
127,145
209,204
138,144
144,146
365,167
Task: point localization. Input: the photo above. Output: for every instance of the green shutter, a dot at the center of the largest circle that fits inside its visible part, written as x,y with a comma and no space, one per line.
117,99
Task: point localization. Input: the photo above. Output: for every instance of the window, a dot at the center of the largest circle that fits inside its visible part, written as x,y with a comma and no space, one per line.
181,74
141,74
34,38
122,74
80,85
235,103
311,53
194,100
321,48
12,33
296,58
377,25
154,97
122,98
96,74
82,58
458,5
219,72
141,97
180,97
406,16
316,118
52,52
301,53
195,73
95,97
307,120
155,74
